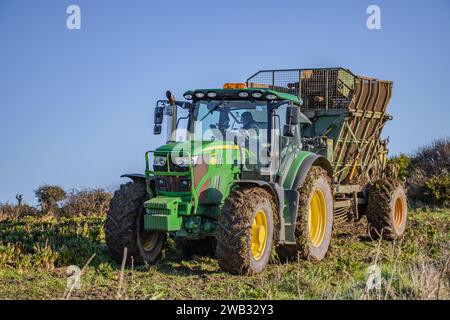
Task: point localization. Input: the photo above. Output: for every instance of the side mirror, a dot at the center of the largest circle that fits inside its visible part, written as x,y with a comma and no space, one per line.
289,130
158,115
292,115
157,129
170,97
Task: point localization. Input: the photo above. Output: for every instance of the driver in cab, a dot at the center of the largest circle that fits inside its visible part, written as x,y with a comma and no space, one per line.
248,123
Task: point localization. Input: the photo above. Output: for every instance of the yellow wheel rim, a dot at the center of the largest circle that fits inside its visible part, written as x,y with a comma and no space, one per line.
149,240
259,234
398,212
317,218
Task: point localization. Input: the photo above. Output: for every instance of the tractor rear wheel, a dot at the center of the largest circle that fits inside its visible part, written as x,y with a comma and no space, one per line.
387,209
314,220
246,231
124,226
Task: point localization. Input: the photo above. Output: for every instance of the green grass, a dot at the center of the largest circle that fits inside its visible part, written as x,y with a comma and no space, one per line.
35,253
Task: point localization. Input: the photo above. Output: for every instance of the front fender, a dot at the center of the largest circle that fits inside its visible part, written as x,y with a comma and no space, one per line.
141,178
136,177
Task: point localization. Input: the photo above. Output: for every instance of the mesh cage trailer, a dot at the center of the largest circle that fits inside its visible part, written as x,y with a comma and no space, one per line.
348,113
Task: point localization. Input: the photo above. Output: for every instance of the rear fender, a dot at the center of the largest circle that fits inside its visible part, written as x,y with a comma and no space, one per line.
312,160
293,195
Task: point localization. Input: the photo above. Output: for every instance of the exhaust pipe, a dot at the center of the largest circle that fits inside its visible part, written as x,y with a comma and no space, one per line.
171,112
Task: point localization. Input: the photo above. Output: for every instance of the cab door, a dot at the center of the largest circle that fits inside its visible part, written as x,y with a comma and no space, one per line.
284,146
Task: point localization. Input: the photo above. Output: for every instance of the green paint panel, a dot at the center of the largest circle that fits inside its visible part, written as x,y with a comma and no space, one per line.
162,214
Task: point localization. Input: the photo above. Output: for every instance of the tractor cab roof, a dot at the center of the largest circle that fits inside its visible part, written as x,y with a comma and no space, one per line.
242,93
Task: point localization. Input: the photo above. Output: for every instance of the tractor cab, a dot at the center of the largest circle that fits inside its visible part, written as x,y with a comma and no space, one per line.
255,127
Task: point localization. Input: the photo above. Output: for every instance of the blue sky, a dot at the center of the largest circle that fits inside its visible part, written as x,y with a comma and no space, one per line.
76,105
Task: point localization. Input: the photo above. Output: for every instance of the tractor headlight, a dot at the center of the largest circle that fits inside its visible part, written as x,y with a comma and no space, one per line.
199,95
243,94
185,161
271,97
161,182
256,95
184,183
160,161
211,94
188,96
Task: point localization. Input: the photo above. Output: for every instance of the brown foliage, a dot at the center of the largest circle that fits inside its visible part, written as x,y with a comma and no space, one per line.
87,202
433,159
18,211
55,201
429,172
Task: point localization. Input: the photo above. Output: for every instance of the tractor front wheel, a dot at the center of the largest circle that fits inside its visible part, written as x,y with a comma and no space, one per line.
387,209
246,230
124,226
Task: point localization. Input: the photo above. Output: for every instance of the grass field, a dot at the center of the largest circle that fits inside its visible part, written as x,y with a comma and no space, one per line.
36,252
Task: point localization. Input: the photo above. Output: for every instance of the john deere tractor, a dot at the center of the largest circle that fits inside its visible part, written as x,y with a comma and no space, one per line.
269,165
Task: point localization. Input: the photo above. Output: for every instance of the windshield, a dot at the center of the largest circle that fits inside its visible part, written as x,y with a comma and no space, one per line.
221,120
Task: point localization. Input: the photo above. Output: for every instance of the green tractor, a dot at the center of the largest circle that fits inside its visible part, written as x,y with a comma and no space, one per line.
270,165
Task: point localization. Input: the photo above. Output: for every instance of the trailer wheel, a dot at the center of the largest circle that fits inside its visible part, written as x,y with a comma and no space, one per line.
124,226
314,220
246,230
387,209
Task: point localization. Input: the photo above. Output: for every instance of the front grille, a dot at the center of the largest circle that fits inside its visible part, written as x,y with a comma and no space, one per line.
175,168
160,168
172,167
172,183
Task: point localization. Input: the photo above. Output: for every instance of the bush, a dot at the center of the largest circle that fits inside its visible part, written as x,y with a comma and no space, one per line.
437,190
403,163
88,202
428,170
49,197
433,159
18,211
55,201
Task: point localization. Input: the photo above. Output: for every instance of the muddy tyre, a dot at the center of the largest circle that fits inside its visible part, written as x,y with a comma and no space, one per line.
124,227
387,209
315,219
246,231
